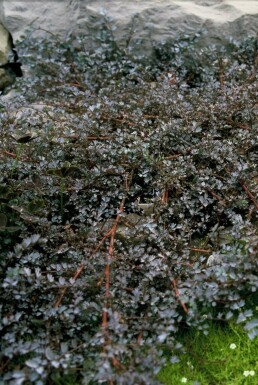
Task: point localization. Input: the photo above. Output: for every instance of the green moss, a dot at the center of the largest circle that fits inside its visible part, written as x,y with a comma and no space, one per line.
219,358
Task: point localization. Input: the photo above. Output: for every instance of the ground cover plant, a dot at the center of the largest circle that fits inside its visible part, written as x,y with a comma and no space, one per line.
128,207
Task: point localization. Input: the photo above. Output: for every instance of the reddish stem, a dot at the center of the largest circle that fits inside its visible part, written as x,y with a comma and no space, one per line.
164,198
250,195
10,154
178,296
200,250
98,137
110,255
139,339
215,195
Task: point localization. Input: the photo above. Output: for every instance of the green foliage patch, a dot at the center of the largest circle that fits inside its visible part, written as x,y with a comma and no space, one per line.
225,356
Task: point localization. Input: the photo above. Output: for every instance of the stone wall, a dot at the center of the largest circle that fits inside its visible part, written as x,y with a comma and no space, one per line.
145,19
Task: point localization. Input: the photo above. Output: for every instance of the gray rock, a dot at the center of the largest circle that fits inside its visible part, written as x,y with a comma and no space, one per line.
8,69
7,78
147,20
5,44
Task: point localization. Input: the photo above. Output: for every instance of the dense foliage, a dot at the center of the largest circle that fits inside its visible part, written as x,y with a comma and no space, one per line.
93,283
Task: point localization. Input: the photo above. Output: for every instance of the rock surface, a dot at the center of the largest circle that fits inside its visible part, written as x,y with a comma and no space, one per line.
135,23
5,44
8,69
147,20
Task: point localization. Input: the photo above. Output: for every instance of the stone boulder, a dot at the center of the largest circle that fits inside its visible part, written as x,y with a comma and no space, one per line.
5,44
147,20
9,64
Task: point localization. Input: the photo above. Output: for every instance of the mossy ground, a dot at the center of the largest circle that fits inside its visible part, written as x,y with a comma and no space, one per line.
226,356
